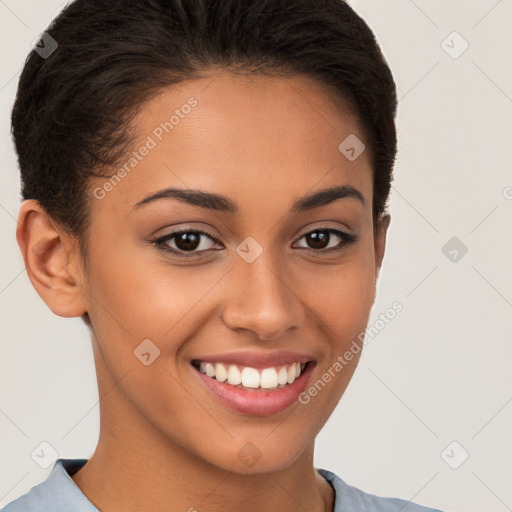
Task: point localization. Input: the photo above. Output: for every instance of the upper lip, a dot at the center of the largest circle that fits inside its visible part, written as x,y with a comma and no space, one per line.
258,359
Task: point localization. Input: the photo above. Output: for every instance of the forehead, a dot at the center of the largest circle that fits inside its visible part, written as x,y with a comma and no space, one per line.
252,138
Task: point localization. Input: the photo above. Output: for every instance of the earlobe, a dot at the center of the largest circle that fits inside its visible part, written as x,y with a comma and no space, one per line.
50,260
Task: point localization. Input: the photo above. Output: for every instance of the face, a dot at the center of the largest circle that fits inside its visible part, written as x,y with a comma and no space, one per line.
258,271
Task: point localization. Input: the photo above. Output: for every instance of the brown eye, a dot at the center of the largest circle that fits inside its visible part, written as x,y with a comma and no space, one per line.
190,241
319,239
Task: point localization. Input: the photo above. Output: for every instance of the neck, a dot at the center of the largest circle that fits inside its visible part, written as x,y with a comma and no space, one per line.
123,476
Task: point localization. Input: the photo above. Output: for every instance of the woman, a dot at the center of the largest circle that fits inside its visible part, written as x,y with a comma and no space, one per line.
205,183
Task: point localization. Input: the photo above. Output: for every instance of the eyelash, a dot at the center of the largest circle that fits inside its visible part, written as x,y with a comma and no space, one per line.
347,239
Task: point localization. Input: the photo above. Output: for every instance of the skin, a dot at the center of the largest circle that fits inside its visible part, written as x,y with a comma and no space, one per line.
165,443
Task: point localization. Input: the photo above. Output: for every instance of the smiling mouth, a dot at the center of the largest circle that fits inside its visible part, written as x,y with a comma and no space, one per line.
252,379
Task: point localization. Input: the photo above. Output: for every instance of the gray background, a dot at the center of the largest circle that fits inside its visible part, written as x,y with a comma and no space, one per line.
439,372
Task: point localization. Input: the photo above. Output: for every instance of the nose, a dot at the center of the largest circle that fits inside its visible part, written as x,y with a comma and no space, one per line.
263,300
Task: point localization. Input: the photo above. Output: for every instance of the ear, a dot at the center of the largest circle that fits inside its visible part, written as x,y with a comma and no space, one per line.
51,260
380,242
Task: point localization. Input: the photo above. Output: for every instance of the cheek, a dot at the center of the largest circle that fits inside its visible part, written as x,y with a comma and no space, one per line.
340,303
138,297
139,309
342,295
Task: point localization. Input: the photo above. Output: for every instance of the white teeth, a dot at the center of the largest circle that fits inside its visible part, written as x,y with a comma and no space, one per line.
210,370
250,378
267,378
221,374
282,376
234,375
291,373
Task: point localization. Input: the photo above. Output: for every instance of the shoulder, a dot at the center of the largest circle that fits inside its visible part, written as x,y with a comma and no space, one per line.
32,501
57,493
352,499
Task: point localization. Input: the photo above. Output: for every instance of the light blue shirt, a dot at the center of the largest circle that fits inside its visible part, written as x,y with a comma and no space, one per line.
58,493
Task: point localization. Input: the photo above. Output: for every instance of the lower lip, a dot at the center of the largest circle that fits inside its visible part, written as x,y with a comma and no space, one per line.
257,403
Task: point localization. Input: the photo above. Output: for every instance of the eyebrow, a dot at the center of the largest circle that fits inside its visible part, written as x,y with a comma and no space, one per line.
220,203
